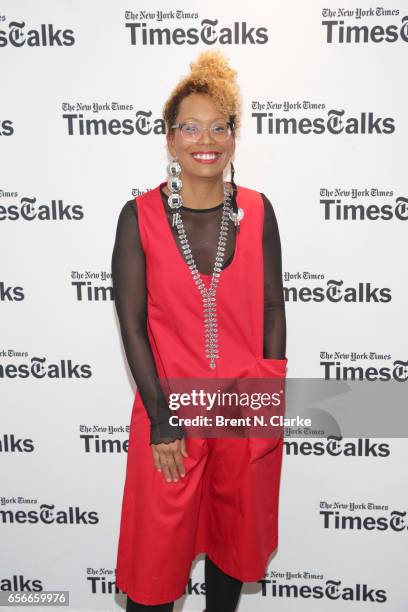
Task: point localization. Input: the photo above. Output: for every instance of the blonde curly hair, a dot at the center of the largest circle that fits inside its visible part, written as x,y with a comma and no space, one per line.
210,74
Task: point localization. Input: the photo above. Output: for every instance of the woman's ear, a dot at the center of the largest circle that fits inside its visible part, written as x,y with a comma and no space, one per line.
170,143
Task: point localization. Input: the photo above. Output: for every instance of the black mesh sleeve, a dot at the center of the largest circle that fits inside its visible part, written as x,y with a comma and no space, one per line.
274,301
130,295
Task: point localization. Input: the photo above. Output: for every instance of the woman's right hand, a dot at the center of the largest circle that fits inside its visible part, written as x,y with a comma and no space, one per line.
168,459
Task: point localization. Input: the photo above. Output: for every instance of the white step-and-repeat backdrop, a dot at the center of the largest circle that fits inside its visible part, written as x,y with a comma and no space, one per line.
324,136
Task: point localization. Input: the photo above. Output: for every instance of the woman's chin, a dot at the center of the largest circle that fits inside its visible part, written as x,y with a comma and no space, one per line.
204,173
204,170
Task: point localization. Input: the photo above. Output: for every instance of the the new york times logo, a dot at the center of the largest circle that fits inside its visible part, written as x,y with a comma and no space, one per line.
87,286
336,446
110,442
6,127
334,208
137,191
334,369
360,516
142,124
38,368
208,32
100,582
338,32
329,590
44,35
47,514
335,122
29,209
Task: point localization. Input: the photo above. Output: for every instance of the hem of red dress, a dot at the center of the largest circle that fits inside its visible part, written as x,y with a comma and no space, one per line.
150,600
155,600
249,577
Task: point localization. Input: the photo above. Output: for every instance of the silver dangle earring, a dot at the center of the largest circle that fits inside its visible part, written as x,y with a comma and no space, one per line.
236,214
174,183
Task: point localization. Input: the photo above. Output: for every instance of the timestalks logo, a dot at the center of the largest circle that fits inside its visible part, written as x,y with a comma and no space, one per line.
37,368
208,32
335,292
47,514
94,444
100,584
334,519
335,209
6,127
142,125
89,292
20,583
45,35
11,294
9,443
337,32
335,446
29,210
335,123
334,370
331,590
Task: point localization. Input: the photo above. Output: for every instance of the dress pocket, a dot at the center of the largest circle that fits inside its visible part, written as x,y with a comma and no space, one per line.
268,370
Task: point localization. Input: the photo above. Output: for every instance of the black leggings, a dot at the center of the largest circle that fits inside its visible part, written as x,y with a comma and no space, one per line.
222,593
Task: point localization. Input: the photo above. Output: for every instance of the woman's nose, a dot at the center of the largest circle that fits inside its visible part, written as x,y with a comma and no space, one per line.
206,136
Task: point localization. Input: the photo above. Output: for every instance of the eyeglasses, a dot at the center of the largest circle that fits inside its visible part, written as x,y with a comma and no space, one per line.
191,131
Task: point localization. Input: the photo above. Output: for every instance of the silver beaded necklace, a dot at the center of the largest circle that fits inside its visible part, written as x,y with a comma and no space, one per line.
208,294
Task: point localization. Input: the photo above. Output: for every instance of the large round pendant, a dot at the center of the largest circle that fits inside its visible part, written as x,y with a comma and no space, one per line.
175,200
236,216
174,183
173,168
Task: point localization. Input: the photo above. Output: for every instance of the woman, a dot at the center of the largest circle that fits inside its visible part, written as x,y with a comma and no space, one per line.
198,290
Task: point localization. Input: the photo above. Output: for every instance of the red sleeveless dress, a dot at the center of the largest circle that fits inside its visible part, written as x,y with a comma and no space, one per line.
227,503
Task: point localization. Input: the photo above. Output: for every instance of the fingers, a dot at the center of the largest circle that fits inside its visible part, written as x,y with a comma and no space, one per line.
167,464
168,459
156,458
183,448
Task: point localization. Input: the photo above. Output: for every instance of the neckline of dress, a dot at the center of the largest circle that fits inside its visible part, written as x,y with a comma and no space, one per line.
172,238
195,210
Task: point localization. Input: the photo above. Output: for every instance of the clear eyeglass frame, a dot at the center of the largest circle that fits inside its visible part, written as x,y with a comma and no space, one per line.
191,131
